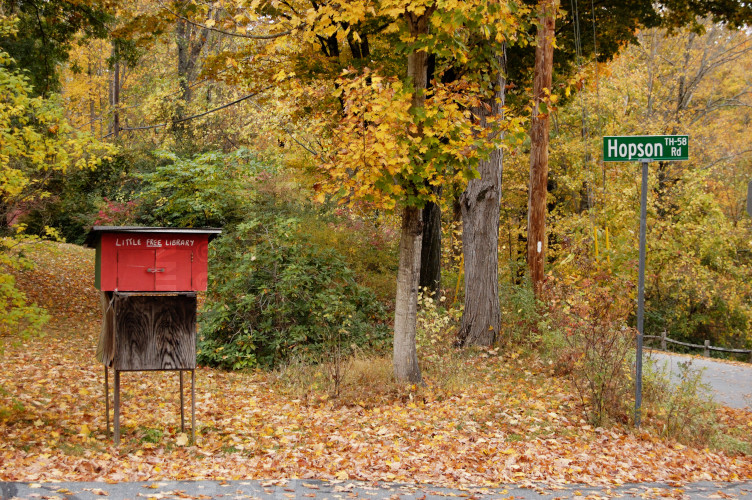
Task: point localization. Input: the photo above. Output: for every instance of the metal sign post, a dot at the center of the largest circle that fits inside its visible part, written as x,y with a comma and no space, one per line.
644,148
641,291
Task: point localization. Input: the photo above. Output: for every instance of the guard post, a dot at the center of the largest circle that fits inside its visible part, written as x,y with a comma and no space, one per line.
644,149
148,278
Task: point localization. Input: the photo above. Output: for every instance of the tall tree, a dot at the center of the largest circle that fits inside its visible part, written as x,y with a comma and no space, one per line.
405,357
36,141
115,94
45,32
191,38
480,202
399,140
480,205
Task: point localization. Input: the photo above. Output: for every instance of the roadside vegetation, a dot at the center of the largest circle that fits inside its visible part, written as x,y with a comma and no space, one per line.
342,151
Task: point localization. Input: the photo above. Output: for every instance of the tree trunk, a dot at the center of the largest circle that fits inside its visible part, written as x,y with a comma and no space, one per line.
92,108
405,359
190,42
536,208
480,205
430,252
116,99
182,37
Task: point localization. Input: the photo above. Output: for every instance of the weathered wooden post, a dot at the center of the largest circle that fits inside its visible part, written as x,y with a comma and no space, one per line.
149,277
663,340
706,349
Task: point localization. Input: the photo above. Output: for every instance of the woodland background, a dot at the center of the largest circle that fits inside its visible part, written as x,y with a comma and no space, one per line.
303,129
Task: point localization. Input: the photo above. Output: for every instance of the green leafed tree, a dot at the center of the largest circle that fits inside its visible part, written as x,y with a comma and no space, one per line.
36,141
44,34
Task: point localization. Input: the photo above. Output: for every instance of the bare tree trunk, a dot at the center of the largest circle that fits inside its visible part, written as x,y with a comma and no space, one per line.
405,358
430,252
183,38
190,42
480,205
116,99
539,131
92,108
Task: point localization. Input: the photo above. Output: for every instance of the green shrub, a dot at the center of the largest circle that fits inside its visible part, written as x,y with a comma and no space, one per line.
205,190
274,295
368,244
81,198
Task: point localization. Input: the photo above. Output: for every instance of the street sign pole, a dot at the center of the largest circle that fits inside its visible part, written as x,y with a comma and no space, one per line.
641,292
645,148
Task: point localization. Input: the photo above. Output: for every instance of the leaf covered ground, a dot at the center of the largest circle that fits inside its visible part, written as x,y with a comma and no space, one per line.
504,424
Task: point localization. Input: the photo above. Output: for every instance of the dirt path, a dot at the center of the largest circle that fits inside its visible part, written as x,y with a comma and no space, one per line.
730,383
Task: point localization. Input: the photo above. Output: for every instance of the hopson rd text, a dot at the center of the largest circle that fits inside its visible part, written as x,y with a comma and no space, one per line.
615,149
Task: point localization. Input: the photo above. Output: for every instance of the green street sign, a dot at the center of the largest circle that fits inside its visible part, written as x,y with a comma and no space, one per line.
646,148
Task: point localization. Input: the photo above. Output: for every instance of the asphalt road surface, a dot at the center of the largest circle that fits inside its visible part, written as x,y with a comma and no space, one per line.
730,384
288,489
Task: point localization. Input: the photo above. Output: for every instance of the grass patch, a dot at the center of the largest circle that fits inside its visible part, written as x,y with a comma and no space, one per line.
73,449
151,435
365,381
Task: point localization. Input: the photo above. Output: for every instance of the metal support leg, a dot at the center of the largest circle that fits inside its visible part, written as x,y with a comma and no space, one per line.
117,408
107,398
193,406
182,404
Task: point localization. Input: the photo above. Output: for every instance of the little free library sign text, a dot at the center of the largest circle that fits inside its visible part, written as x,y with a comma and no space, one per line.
646,148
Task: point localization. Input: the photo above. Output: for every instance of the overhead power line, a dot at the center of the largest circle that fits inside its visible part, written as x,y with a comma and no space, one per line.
192,117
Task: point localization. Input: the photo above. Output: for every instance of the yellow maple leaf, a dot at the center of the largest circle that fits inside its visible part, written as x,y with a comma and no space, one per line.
342,475
182,439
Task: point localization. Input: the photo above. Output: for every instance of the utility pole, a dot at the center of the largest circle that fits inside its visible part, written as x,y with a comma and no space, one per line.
539,134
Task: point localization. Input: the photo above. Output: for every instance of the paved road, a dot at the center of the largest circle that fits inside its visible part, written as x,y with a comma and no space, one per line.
348,489
731,384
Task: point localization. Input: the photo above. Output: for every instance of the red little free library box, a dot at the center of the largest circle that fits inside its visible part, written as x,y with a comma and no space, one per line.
151,259
149,277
